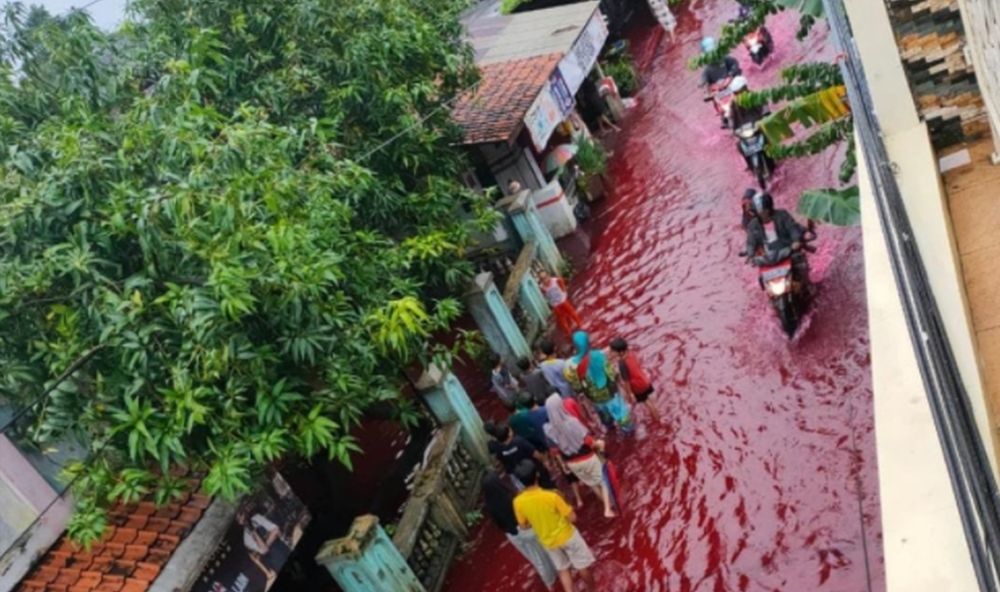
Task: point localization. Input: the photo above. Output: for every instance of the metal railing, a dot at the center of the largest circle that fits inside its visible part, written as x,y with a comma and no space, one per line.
433,522
968,466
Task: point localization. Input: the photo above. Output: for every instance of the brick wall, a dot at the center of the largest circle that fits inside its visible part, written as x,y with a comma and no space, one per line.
931,38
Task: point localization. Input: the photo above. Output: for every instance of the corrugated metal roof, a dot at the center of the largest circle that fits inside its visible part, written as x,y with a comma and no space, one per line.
528,34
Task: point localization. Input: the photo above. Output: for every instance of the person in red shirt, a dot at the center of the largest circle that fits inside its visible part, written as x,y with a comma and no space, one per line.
633,379
556,294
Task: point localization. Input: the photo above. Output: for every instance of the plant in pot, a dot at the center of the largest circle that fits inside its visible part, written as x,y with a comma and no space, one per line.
591,163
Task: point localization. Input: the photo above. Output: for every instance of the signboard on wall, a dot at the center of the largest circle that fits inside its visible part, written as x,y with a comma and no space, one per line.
266,528
576,64
550,108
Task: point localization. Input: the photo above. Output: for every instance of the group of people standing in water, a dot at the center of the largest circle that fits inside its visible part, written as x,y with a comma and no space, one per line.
560,408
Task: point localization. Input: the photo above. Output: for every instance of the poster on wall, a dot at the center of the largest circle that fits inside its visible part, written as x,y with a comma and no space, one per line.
259,541
550,108
581,57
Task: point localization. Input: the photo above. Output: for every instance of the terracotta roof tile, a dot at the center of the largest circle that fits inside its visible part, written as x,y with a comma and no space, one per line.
122,568
145,537
190,515
113,580
135,552
124,536
134,585
67,577
168,511
146,571
136,521
157,524
495,110
129,556
199,501
158,556
178,528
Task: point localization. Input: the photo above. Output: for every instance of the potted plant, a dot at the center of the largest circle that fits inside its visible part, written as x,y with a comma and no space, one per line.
591,163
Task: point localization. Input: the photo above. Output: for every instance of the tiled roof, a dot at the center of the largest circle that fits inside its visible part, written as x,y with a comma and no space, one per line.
139,541
494,112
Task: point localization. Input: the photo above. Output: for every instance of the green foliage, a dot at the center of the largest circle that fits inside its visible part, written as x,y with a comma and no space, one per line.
591,157
208,250
472,518
509,6
825,136
850,163
621,68
797,81
841,207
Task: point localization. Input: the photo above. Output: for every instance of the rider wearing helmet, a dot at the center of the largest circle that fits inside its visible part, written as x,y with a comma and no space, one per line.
772,230
719,71
739,115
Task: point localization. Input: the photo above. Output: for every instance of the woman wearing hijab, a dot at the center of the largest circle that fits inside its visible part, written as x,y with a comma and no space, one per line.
577,449
591,372
500,508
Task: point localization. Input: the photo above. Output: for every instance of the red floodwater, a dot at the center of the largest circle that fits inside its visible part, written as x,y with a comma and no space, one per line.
762,476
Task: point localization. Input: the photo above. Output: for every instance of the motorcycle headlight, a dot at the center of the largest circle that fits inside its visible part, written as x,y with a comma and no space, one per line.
778,286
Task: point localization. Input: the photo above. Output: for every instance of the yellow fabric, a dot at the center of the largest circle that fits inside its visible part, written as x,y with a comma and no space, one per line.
547,513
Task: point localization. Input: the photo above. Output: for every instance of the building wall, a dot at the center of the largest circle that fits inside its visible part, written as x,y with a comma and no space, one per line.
931,41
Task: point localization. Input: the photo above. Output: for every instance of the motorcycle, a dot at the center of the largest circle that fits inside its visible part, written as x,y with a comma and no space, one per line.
722,100
753,146
789,296
759,43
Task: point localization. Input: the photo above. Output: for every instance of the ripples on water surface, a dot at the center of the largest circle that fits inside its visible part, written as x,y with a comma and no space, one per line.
750,483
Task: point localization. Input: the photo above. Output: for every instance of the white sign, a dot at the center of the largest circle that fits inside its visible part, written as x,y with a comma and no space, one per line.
581,57
543,117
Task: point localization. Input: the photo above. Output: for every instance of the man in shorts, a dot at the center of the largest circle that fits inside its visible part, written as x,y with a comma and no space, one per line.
548,514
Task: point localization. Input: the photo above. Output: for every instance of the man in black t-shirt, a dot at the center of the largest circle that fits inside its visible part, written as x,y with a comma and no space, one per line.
510,450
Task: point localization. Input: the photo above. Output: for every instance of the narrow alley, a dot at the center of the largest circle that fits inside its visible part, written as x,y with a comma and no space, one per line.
762,475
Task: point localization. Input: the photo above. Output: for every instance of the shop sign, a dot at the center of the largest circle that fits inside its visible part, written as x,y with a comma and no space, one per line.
583,55
267,527
550,108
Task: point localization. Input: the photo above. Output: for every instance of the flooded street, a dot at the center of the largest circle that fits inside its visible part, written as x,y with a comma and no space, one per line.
762,475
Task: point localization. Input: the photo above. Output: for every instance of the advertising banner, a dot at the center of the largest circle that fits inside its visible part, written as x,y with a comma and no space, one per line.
581,57
550,108
267,527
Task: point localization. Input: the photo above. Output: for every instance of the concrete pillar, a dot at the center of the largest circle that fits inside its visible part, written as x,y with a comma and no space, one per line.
495,320
876,42
449,402
366,560
532,301
529,226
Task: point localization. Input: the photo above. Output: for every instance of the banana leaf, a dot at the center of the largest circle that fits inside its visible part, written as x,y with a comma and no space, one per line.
840,207
811,110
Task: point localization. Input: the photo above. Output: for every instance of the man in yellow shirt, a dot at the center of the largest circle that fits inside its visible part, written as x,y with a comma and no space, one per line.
552,519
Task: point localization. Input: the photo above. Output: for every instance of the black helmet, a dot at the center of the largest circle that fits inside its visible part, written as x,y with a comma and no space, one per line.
763,202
